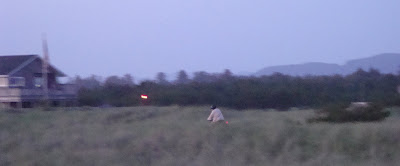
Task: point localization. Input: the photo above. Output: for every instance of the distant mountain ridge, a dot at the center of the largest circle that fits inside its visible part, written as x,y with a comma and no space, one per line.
385,63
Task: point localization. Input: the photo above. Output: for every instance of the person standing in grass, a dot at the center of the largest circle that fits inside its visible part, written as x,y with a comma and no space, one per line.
216,115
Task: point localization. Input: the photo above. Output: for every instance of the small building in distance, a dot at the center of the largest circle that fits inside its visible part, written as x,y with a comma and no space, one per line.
398,89
21,83
357,105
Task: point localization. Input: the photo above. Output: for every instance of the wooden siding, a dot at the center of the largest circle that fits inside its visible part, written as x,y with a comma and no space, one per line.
34,69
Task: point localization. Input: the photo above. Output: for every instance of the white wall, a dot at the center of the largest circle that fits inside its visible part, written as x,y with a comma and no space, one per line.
3,81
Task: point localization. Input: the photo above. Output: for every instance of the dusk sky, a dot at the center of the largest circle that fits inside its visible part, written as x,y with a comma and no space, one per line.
104,37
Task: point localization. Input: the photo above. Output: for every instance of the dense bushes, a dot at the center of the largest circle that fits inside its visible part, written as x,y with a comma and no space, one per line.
275,91
346,113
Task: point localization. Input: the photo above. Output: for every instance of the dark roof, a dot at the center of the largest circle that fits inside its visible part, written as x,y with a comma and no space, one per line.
10,63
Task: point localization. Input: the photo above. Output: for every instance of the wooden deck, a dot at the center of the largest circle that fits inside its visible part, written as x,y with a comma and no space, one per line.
66,93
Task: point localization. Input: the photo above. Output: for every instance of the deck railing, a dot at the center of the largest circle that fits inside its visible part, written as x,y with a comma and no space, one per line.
64,91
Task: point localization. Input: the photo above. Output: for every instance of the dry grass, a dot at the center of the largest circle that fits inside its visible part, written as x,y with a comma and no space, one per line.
181,136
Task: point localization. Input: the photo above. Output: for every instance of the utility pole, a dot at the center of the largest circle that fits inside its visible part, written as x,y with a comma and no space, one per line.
45,70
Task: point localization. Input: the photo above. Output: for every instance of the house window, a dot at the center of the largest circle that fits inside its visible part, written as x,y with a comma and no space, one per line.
16,81
37,81
13,81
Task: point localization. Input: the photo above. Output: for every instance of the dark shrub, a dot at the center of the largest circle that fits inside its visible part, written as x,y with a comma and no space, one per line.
343,113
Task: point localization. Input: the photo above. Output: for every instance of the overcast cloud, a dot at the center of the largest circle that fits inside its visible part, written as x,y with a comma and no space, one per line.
142,38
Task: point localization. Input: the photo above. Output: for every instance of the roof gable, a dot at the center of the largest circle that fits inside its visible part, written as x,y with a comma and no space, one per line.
9,63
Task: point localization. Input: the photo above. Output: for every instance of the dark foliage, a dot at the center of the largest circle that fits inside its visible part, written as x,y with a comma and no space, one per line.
275,91
342,113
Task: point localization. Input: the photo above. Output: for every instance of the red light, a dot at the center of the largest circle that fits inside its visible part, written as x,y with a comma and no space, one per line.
226,122
143,96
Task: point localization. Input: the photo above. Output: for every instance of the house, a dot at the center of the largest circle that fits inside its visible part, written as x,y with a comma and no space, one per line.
398,88
21,83
357,105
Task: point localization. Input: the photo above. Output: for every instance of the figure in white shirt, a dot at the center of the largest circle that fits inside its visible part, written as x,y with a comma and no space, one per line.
216,115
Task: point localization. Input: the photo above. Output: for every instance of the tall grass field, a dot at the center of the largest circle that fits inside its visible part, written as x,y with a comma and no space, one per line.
181,136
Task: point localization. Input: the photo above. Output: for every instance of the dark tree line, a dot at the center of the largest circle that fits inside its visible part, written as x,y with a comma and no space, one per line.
274,91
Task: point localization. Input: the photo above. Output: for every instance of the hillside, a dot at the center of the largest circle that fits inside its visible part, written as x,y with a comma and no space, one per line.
385,63
182,136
